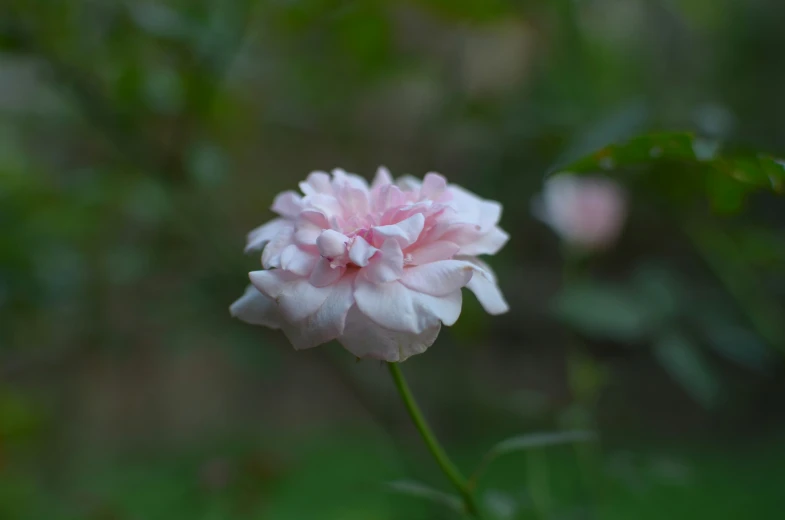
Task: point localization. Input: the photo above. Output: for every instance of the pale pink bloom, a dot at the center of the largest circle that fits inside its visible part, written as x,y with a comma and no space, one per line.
379,267
587,212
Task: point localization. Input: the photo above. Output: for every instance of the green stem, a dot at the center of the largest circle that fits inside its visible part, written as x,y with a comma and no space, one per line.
444,462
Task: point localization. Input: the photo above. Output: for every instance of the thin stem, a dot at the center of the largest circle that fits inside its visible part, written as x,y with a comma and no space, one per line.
444,462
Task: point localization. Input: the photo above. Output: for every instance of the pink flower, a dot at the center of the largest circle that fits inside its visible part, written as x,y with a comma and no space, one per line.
379,267
587,212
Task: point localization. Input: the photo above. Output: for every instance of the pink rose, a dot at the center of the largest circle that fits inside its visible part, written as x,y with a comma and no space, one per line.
587,212
379,268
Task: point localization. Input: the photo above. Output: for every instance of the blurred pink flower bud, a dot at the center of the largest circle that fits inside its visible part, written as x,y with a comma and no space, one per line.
587,212
379,268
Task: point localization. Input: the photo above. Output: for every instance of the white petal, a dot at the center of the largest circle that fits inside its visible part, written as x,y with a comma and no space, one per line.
361,251
433,185
488,244
264,233
271,256
382,178
388,304
366,339
331,243
316,182
295,296
483,285
325,274
433,252
438,278
387,265
257,309
405,232
327,322
287,204
444,308
297,260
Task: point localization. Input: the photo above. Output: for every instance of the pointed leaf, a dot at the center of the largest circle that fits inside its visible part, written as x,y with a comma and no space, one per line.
419,490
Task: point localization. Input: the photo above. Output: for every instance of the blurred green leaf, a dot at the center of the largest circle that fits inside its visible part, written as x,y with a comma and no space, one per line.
738,345
604,311
686,364
501,505
531,441
419,490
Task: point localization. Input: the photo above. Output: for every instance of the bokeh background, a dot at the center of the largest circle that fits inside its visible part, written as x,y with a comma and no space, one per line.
141,140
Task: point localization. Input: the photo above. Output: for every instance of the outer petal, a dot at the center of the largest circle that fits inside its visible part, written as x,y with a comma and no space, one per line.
433,186
264,233
287,204
366,339
444,308
438,278
483,285
295,296
327,322
382,178
257,309
298,261
388,304
489,243
316,182
271,256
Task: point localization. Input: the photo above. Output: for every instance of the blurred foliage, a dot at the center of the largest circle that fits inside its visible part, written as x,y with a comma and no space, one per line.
140,141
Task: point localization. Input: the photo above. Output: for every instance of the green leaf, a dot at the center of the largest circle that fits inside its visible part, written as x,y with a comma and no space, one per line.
686,364
531,441
739,345
419,490
501,505
604,311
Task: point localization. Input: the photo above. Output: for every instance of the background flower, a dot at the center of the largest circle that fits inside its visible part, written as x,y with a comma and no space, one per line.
379,268
587,212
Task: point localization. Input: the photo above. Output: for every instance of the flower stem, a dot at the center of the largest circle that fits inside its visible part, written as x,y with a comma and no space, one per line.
444,462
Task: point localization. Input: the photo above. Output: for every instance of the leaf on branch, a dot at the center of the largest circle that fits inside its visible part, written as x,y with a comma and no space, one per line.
416,489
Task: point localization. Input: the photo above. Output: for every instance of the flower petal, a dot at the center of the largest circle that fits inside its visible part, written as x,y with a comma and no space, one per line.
361,251
487,244
433,186
433,252
287,204
388,304
257,309
445,308
405,232
438,278
327,322
316,182
381,178
331,243
484,286
296,297
265,233
297,260
366,339
387,265
325,274
271,256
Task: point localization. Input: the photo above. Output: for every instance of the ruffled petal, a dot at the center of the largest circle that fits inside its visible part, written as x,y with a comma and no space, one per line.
265,233
271,256
324,273
388,304
296,297
484,286
445,308
327,322
405,232
433,252
331,243
489,243
366,339
257,309
287,204
361,252
297,260
316,182
438,278
387,265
